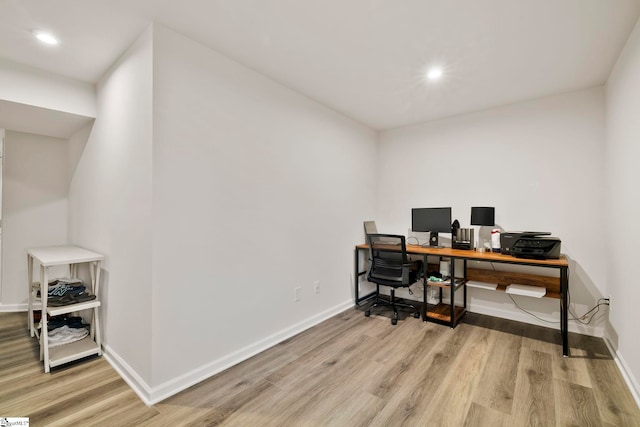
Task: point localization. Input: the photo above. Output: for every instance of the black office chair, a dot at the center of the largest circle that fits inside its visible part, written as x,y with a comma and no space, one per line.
389,266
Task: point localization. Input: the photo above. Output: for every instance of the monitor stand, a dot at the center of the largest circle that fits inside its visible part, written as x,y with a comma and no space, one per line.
433,239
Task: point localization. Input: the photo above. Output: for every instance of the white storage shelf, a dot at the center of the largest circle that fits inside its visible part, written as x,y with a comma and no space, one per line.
72,256
69,352
66,309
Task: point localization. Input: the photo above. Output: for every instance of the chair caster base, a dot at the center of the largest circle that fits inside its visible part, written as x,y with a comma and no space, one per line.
416,315
394,321
367,313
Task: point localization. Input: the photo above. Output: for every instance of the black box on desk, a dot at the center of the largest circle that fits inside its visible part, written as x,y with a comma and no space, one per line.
463,239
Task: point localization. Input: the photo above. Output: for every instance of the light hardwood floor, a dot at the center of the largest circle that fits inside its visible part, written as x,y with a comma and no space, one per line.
347,371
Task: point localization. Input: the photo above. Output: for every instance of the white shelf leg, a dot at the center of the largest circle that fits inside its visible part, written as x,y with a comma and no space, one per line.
95,325
30,293
44,331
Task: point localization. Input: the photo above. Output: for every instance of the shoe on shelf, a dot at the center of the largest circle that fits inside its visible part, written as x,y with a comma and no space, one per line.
68,299
63,289
65,335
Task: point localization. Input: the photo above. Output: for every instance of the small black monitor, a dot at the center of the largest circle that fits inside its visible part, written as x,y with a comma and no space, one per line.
433,220
483,215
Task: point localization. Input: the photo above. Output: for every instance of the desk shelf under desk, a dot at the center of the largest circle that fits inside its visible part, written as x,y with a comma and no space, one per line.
441,313
448,314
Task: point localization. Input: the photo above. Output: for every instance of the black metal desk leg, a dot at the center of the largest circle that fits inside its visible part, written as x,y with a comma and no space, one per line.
564,310
452,291
424,288
356,275
465,283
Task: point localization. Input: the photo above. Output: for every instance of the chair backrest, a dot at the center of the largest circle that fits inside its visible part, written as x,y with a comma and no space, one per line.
370,228
388,263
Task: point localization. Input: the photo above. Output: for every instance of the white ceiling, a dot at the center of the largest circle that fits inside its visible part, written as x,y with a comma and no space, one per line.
364,58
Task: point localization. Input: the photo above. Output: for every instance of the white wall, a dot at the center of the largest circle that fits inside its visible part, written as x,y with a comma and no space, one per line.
37,168
238,162
29,86
110,203
34,203
538,162
623,205
76,144
257,190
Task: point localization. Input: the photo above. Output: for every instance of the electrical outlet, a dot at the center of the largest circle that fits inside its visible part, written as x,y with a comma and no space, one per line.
298,293
316,286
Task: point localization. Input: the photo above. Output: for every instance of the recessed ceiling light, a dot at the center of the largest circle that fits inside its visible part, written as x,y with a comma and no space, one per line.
46,38
434,73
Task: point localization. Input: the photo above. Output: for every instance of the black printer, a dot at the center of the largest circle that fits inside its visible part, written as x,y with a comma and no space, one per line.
536,248
509,238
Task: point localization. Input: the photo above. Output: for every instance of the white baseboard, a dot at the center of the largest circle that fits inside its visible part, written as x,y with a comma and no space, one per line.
128,374
520,316
632,382
11,308
152,395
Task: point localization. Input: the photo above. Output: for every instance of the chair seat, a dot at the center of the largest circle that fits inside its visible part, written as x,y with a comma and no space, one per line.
390,281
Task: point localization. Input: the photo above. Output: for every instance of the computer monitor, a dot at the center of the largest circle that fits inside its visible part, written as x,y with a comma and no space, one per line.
433,220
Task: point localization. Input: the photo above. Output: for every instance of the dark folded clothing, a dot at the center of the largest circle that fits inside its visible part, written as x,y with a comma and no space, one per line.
68,299
64,280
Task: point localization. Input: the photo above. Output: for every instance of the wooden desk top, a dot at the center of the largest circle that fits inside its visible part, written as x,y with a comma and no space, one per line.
480,256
